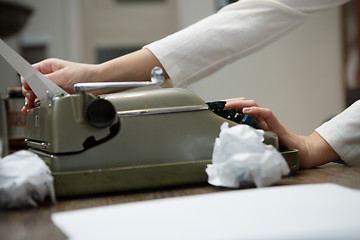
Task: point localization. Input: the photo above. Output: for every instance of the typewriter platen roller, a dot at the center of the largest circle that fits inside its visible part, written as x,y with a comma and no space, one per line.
127,141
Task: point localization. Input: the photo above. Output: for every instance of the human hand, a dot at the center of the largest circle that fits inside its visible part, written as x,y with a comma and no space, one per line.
313,149
265,119
63,73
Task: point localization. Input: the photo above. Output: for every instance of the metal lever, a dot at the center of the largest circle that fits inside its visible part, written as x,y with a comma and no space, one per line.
157,78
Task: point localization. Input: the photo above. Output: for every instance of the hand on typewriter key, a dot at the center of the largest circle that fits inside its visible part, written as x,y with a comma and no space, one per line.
313,149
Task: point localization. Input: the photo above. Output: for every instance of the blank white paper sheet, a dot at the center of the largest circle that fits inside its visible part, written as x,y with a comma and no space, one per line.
313,211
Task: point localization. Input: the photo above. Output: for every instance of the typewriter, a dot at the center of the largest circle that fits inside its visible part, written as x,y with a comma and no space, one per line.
130,140
124,141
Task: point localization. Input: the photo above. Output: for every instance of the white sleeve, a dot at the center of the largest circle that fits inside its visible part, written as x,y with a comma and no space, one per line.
234,32
343,134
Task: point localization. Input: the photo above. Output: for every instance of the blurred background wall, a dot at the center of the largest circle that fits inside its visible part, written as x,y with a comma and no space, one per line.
299,77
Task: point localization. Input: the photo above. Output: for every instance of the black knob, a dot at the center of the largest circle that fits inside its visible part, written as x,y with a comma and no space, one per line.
100,113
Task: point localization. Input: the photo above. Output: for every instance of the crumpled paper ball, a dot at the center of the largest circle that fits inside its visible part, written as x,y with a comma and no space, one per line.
24,180
241,159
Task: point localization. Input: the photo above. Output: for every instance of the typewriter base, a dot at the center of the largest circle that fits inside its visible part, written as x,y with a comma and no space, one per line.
85,182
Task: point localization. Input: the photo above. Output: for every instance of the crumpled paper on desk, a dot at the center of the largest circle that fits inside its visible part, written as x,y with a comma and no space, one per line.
24,180
240,158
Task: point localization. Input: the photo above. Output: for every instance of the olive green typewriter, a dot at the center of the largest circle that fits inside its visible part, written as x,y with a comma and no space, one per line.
124,141
130,140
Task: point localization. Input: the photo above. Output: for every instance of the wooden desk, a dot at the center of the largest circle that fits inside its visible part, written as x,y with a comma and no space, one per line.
36,223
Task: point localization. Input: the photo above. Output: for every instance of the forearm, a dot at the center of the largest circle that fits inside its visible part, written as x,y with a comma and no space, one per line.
234,32
135,66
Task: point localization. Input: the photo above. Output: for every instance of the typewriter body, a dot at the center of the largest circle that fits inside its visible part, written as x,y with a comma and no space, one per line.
127,141
122,141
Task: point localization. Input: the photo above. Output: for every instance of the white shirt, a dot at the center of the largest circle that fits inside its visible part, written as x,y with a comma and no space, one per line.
343,134
239,30
234,32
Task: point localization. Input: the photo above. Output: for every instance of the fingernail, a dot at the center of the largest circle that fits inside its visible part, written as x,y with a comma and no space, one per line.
247,109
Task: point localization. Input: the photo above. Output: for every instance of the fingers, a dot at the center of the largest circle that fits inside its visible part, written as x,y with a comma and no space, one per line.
49,65
250,107
265,120
264,114
29,96
28,105
240,103
26,91
46,67
25,86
